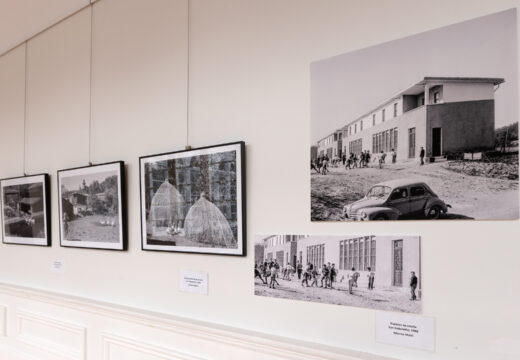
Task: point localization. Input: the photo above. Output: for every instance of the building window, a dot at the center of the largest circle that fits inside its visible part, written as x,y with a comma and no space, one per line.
384,141
361,126
355,146
395,110
373,119
341,245
316,255
373,254
436,97
366,261
383,115
355,128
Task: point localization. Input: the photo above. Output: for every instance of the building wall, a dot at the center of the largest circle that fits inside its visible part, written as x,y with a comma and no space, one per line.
455,92
384,257
466,126
413,118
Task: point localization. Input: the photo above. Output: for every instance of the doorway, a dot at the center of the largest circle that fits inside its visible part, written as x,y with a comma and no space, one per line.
437,141
398,263
411,142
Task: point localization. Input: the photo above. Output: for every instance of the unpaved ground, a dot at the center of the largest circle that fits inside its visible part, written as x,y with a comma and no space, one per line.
89,228
474,197
389,299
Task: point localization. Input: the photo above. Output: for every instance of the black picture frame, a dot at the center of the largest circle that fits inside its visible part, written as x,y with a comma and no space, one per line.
212,185
28,214
93,207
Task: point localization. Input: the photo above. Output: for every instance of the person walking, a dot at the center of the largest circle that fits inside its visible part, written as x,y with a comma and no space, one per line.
413,285
350,279
307,275
394,156
273,277
333,273
258,274
371,276
325,163
421,155
314,276
299,269
324,275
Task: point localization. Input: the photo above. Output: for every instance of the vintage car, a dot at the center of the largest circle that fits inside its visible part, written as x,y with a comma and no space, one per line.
397,199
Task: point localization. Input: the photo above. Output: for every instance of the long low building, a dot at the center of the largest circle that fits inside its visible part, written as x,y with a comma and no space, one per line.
392,258
442,114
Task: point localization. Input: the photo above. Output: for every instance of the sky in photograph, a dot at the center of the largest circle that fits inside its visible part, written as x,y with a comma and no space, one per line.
346,86
73,183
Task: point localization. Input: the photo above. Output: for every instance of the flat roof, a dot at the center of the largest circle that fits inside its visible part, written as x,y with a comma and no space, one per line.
427,79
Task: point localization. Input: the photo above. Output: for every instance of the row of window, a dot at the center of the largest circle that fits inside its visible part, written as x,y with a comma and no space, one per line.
357,253
384,141
316,255
355,146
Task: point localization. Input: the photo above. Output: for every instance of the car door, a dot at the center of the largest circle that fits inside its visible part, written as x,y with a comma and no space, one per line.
418,198
400,200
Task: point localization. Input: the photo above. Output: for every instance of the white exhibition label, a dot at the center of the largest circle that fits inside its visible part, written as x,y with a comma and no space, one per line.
405,330
194,282
58,266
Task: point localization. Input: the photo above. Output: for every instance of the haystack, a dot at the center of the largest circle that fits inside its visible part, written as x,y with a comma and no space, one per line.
206,224
166,208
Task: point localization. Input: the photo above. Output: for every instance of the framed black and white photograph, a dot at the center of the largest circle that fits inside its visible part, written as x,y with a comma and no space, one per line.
92,207
26,210
368,271
424,127
194,200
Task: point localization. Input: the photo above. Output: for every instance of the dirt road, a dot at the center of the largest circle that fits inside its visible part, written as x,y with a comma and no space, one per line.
473,197
390,299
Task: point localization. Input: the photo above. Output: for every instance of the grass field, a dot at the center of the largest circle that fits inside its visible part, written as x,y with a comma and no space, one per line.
89,228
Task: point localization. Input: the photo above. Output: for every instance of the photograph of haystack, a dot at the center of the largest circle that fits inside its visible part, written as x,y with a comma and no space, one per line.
192,201
26,210
92,207
424,127
375,272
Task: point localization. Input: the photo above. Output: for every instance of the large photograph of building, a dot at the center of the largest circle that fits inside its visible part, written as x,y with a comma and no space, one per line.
376,272
424,127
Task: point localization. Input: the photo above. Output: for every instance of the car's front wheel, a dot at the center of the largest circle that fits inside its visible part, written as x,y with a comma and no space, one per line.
434,212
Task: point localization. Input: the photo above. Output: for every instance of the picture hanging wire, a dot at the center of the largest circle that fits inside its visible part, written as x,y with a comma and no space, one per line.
90,86
25,114
188,147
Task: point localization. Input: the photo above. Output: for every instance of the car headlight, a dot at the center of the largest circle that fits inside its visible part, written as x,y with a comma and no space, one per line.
363,215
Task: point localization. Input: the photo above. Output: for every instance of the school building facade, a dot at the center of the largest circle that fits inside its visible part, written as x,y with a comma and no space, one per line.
442,114
392,258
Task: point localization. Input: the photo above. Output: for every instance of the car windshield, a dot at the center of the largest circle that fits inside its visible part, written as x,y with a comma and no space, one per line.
379,192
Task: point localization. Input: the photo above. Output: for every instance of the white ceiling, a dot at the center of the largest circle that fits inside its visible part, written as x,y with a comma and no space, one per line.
21,19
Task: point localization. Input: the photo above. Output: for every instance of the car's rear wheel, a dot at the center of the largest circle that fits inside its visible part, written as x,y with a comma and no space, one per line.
434,212
381,217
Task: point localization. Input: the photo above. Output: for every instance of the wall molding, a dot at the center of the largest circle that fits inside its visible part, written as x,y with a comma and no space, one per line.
46,344
264,344
3,320
161,353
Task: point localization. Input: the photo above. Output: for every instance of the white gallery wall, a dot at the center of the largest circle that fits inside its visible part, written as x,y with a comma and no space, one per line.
250,81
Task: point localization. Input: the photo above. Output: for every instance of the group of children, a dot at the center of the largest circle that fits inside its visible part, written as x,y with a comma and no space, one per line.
321,163
270,270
